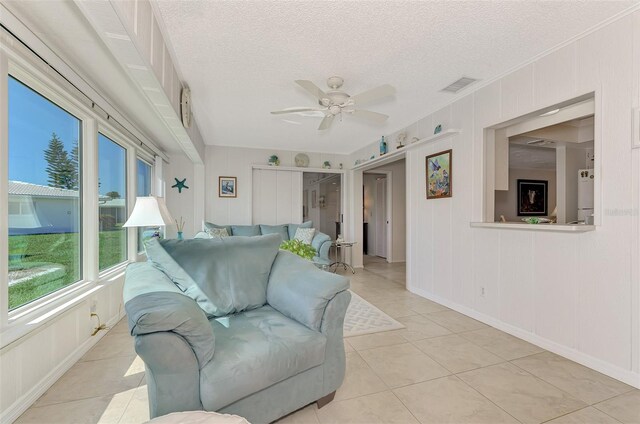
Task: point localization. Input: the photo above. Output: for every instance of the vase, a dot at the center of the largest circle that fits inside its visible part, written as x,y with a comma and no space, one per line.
180,237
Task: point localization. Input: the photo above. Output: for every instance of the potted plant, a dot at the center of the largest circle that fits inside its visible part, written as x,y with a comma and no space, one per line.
301,249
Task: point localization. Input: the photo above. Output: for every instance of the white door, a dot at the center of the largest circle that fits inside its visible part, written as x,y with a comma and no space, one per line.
381,217
276,197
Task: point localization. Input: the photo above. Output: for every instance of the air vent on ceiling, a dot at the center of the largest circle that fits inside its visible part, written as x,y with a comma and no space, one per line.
459,85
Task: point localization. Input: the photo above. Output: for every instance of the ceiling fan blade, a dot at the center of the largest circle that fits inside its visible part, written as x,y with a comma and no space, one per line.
294,110
312,88
326,122
373,94
374,116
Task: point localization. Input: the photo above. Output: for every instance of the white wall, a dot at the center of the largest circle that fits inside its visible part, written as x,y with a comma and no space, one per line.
236,162
574,294
507,200
190,203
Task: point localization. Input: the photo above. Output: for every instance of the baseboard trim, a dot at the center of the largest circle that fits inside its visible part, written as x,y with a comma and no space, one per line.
624,375
25,401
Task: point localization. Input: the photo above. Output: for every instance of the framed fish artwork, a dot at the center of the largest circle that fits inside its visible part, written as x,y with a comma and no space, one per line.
439,177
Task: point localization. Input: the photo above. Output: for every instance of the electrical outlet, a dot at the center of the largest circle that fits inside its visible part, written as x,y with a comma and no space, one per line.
93,306
482,291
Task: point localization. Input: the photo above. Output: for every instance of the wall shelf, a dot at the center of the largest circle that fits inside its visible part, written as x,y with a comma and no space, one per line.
557,228
399,153
298,168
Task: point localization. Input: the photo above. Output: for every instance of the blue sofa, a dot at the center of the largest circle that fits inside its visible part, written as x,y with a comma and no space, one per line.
321,241
236,326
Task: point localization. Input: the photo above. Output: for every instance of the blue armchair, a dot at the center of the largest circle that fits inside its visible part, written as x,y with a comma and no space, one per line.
283,351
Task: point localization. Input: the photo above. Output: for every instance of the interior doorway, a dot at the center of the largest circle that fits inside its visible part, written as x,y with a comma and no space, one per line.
384,214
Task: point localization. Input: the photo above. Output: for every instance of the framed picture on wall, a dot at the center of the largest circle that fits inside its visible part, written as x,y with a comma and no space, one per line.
532,197
439,177
227,187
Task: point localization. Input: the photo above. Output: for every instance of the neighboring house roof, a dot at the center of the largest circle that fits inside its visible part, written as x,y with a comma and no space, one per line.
28,189
19,188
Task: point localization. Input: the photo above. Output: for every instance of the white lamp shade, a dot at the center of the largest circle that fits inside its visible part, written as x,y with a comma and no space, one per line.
149,211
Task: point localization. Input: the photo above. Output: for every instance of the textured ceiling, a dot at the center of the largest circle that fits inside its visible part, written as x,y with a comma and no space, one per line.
241,58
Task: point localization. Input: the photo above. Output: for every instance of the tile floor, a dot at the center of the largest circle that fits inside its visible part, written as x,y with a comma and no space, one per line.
442,368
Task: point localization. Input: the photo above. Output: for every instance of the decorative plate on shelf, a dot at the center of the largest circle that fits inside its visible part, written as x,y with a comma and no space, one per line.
302,160
536,220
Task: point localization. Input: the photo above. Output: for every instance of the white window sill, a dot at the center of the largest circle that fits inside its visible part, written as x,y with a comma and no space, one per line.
557,228
29,318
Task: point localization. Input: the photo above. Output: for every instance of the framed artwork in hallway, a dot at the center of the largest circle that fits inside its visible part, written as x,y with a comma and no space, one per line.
227,187
439,177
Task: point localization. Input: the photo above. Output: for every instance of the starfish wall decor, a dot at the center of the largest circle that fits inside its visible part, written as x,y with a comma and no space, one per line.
180,184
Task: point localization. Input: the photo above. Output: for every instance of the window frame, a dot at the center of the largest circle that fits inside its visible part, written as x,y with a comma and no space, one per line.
139,250
115,136
18,61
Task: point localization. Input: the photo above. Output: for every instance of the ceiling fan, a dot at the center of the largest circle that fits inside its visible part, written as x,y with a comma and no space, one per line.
335,101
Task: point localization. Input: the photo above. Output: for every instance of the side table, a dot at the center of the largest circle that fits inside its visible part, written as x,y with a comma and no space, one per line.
339,248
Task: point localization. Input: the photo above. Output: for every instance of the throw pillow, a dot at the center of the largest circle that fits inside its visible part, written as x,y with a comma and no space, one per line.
232,272
245,230
275,229
202,235
294,227
208,225
217,232
305,235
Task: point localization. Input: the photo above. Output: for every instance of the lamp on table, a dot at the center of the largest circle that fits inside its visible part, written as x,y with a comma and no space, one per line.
150,211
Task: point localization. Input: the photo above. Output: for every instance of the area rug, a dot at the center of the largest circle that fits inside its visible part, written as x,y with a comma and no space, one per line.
364,318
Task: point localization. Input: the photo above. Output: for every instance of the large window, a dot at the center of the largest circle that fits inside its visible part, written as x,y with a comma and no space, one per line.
112,201
44,196
143,170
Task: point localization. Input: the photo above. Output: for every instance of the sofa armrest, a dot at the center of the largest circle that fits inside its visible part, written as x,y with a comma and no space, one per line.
172,373
322,243
300,291
152,310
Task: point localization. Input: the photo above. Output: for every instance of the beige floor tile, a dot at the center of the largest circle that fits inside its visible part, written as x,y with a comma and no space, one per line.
371,409
426,306
624,408
575,379
455,321
502,344
395,309
102,409
522,395
121,327
306,415
369,341
456,353
347,347
400,365
114,344
449,400
359,379
95,378
418,327
138,409
588,415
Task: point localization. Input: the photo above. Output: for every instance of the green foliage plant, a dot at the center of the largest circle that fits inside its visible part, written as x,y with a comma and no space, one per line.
301,249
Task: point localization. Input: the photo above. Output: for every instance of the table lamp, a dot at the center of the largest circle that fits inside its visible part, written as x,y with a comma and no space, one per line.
150,211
